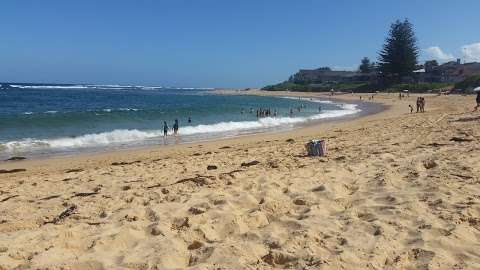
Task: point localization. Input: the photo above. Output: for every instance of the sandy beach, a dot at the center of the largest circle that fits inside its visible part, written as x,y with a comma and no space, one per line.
396,191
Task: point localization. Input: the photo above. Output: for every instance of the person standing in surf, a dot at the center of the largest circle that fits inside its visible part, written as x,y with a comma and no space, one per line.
165,129
175,127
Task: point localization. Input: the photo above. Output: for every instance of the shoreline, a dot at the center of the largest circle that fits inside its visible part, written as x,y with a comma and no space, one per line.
101,151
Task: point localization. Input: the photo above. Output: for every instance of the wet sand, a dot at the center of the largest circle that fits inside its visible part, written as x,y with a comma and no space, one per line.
396,191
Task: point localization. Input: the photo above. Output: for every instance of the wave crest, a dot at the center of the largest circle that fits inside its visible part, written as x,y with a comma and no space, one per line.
122,136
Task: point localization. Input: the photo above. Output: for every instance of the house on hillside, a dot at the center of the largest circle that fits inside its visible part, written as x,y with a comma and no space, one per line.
326,75
432,72
451,72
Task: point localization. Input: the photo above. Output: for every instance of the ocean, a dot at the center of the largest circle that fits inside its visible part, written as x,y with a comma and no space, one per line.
64,119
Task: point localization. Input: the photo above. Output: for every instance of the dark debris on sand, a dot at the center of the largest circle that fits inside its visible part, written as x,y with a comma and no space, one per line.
251,163
13,171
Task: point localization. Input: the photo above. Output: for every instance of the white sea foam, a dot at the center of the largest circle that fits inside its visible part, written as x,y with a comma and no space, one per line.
88,140
193,88
120,109
105,86
49,86
133,135
310,100
151,87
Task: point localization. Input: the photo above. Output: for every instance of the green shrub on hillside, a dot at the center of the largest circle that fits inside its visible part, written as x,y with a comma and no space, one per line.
286,86
357,87
324,87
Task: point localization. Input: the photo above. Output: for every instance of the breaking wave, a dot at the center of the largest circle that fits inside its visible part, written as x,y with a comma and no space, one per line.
123,136
49,86
310,100
104,86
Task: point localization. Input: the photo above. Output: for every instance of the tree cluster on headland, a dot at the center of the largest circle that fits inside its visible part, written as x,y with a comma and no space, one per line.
397,68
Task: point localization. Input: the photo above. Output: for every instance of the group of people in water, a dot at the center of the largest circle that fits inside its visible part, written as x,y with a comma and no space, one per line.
166,128
268,112
175,127
260,112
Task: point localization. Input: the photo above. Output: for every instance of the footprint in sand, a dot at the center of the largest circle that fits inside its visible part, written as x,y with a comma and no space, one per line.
198,209
275,257
416,258
199,253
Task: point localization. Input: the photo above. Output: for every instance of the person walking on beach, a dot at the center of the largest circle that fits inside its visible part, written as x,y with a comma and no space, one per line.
478,102
411,108
175,127
165,129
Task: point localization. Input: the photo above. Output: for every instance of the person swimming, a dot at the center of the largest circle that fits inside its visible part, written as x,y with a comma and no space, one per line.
189,120
175,127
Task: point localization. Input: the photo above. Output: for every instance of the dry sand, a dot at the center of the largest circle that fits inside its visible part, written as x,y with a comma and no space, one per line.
397,191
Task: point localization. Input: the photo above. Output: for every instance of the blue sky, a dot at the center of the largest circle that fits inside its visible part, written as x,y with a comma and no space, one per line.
210,43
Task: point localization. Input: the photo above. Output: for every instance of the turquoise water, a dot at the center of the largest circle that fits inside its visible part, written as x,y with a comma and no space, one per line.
43,119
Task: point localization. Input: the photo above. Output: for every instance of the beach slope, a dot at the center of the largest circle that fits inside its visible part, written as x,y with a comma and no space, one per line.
396,191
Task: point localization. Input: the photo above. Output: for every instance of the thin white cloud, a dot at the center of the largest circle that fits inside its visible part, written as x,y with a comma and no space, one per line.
436,53
471,52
